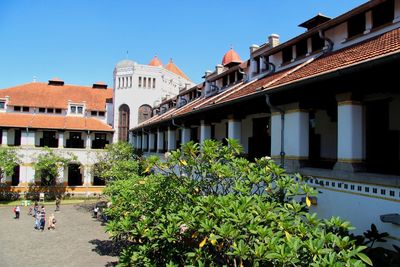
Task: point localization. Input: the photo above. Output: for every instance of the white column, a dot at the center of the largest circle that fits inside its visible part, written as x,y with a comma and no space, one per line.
185,137
60,139
88,140
27,138
160,140
350,132
368,21
151,142
4,137
139,141
396,11
87,176
61,179
296,134
134,140
276,128
235,129
144,142
171,139
205,131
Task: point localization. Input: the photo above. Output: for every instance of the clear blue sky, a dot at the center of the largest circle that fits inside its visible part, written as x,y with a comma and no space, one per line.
80,41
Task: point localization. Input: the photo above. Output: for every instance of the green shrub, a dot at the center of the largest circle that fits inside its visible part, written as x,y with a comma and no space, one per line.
205,206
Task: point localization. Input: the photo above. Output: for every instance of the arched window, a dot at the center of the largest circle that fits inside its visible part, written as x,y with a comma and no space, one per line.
119,82
123,123
144,113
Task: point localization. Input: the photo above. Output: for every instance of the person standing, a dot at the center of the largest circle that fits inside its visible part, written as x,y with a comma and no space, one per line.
95,211
17,212
58,201
42,218
37,220
52,222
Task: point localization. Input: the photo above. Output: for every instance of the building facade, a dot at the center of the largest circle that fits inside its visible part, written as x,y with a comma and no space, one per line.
138,87
324,104
68,119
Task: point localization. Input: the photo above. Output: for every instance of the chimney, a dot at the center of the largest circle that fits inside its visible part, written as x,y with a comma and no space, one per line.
219,68
253,48
208,72
56,81
273,40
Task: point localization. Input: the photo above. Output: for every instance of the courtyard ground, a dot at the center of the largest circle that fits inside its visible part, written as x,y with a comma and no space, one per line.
79,240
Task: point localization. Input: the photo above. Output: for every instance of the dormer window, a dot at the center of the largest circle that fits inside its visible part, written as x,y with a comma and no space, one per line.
42,110
317,43
76,109
301,48
287,54
356,25
2,104
383,14
17,108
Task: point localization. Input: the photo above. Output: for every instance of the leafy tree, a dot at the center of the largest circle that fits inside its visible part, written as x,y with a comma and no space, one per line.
205,206
48,164
8,161
119,161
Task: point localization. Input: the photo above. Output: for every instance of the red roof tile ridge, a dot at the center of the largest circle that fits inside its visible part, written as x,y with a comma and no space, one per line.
290,71
242,85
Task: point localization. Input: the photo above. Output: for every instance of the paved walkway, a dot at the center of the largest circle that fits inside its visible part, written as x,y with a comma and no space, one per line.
78,240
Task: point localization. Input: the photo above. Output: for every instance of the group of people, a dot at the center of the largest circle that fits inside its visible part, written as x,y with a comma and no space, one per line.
39,213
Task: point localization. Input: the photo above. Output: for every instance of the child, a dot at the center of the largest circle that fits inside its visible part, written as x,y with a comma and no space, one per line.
52,222
95,211
17,212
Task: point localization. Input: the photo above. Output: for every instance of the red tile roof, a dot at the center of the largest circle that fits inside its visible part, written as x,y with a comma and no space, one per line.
41,121
382,45
173,68
43,95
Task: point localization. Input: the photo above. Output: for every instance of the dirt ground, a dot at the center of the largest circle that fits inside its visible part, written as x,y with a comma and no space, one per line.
79,240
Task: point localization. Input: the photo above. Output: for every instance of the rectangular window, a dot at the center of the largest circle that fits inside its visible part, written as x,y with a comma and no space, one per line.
49,139
80,110
75,140
25,109
317,43
17,108
50,110
144,82
2,104
73,109
287,54
383,14
301,48
102,113
58,110
42,110
154,83
356,25
149,82
93,113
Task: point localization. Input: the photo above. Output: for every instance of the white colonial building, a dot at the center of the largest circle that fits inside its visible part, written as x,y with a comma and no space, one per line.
138,87
68,119
325,104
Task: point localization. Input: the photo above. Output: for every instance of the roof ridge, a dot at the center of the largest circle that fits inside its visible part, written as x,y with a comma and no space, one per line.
234,90
290,71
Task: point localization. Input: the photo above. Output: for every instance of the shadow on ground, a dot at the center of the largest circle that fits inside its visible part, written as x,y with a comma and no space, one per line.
106,247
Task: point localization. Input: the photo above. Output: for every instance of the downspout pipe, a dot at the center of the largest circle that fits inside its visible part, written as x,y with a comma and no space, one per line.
282,112
330,42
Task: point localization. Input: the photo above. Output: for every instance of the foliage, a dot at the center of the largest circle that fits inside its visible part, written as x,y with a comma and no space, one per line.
48,164
8,161
205,206
118,162
379,256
